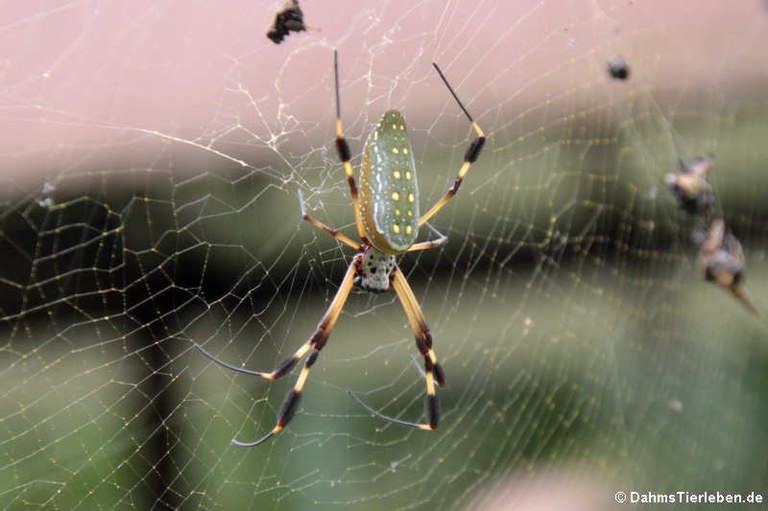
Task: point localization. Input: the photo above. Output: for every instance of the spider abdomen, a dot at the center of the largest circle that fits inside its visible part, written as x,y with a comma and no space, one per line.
389,194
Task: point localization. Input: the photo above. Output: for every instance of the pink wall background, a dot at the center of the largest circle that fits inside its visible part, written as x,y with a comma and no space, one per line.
83,80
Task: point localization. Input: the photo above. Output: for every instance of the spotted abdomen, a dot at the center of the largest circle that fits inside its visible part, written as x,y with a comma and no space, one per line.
389,195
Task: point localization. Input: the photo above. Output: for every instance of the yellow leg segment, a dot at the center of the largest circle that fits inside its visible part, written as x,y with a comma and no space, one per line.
432,369
316,343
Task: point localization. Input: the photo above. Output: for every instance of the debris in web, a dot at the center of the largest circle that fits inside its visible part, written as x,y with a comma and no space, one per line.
720,257
721,261
618,68
691,188
290,19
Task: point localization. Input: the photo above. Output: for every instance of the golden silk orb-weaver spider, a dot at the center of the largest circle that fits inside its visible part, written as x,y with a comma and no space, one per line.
387,218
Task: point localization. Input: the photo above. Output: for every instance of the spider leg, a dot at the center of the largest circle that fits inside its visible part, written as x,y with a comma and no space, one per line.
441,239
345,155
432,370
316,342
418,325
330,230
473,152
281,370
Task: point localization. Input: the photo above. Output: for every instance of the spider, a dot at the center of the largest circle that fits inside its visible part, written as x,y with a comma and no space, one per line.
387,217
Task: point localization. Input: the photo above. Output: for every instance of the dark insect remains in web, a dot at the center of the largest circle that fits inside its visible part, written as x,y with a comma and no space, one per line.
721,261
720,258
618,68
690,186
290,19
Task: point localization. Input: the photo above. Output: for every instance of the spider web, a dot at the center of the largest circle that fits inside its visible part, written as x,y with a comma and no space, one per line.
152,156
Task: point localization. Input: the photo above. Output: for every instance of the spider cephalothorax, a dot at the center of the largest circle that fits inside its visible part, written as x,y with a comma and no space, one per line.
387,220
375,270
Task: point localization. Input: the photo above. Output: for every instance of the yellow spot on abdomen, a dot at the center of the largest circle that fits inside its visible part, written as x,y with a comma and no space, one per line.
396,228
395,196
408,229
396,174
411,197
408,174
395,151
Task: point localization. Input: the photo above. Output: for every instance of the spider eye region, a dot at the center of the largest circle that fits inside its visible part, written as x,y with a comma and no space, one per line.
388,189
376,268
